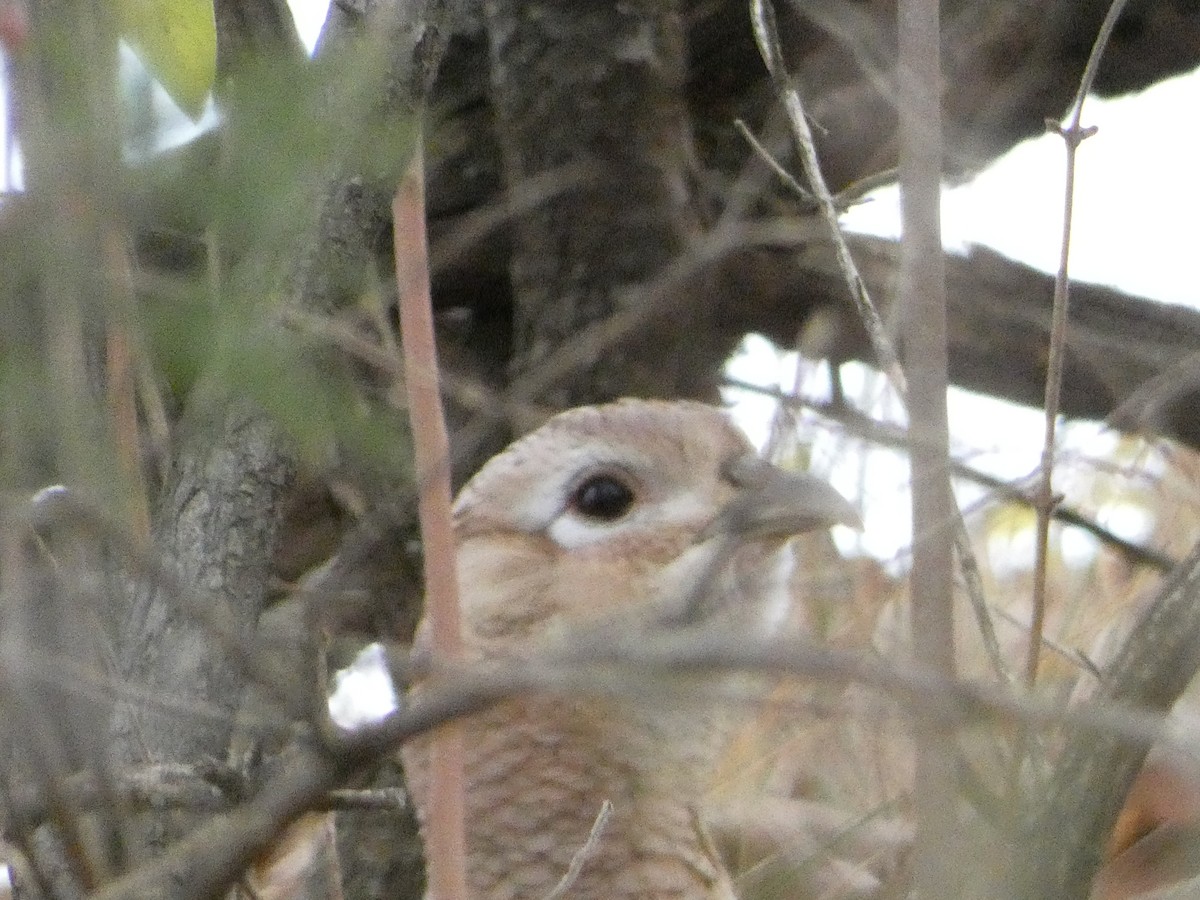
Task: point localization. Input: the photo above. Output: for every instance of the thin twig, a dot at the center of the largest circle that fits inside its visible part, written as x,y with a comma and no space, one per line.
855,192
922,302
1141,410
1073,135
852,194
773,164
207,786
120,384
583,854
767,36
890,435
620,664
768,42
472,228
445,836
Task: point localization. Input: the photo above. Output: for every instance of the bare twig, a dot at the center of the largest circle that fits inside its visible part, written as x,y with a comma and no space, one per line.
205,862
1073,135
767,36
774,165
208,786
890,435
583,854
1141,408
765,33
626,665
844,199
768,42
469,392
445,835
471,228
922,299
855,192
121,364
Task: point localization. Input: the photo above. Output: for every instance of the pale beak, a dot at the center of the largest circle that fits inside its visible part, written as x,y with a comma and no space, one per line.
773,502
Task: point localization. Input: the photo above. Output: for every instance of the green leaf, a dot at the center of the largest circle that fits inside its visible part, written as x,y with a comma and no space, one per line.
311,393
177,42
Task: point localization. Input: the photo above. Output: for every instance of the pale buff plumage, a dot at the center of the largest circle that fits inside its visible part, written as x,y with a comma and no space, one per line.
533,564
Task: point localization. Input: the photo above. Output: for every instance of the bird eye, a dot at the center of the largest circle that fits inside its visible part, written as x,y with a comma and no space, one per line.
603,497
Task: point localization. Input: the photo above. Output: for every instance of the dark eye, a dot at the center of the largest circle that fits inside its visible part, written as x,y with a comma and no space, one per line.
603,497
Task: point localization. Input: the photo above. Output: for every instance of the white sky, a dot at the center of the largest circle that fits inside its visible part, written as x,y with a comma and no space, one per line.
310,16
1135,232
1138,236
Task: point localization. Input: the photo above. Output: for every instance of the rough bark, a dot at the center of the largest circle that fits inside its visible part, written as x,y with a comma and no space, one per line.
1074,808
602,89
215,534
218,520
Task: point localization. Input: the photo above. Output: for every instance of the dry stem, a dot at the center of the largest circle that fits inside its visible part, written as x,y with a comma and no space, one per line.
445,841
767,37
1045,501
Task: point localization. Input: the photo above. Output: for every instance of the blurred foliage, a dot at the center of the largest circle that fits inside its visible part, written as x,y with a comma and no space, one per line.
200,247
312,393
177,42
280,143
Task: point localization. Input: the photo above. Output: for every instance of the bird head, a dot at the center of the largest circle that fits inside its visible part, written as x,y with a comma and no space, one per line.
604,510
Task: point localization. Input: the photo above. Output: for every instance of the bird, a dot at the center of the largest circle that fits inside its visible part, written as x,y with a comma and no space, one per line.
636,515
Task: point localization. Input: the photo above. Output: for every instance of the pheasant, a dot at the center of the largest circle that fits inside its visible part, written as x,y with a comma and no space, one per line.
637,515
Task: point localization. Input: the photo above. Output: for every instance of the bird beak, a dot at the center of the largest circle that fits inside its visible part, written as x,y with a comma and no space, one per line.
772,502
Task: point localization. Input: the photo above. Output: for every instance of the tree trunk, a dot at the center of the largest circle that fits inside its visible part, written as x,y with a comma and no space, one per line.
596,90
